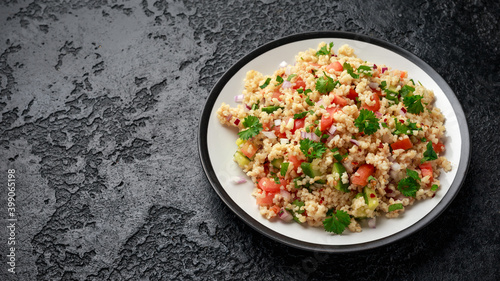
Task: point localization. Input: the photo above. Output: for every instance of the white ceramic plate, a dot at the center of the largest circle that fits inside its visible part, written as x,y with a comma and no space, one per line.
217,144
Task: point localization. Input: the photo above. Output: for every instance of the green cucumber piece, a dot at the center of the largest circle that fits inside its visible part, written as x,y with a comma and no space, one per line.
371,198
241,159
340,170
277,162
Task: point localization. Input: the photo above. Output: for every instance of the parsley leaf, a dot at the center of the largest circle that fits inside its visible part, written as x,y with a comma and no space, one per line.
401,128
290,77
325,84
309,101
414,104
371,178
253,125
337,222
395,207
364,69
284,168
271,109
349,69
325,50
312,149
389,94
406,90
434,187
384,125
279,79
367,122
300,206
265,83
429,154
409,185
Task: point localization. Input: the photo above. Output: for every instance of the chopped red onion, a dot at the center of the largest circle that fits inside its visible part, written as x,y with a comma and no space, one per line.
238,98
354,141
287,70
373,85
384,69
237,122
286,84
402,112
269,134
332,130
378,114
228,118
283,64
239,180
286,195
277,122
285,215
319,102
374,66
248,107
284,141
372,223
311,136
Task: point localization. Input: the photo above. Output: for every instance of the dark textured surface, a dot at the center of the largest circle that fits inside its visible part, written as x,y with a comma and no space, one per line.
100,103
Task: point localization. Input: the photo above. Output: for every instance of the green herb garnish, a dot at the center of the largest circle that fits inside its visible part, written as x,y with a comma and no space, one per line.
337,222
409,185
406,90
290,77
395,207
429,154
325,84
279,79
364,69
312,149
300,115
325,50
367,122
349,69
284,168
271,109
265,83
253,127
434,187
414,104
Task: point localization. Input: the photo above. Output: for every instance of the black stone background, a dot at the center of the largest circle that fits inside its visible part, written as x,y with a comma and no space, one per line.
100,102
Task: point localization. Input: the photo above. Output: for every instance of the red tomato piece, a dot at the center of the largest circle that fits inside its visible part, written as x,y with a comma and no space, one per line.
426,170
376,106
402,144
249,149
339,101
277,94
298,124
266,200
295,161
299,83
269,185
352,94
327,120
438,147
277,132
335,66
361,176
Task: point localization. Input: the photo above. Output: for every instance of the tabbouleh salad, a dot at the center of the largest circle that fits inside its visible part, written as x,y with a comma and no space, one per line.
333,140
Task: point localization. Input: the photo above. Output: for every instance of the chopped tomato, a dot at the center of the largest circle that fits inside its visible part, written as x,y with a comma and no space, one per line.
352,94
438,147
402,144
298,124
327,119
335,66
269,185
277,94
249,149
277,132
376,106
339,100
299,83
315,64
275,209
295,161
266,200
266,126
426,170
361,176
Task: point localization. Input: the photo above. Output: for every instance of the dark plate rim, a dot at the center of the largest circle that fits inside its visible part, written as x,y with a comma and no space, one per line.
433,214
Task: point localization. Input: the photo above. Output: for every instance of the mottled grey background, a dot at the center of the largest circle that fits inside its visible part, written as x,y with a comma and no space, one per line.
100,104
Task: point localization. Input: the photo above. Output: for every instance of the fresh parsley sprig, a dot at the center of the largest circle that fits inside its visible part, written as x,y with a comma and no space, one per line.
414,104
367,122
270,109
350,70
429,153
325,84
253,127
409,185
312,149
337,222
325,50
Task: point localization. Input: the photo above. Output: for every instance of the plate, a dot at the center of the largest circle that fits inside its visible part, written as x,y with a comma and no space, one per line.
217,144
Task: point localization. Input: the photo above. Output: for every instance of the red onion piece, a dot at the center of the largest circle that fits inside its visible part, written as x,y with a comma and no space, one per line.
354,141
239,180
286,195
284,141
237,122
285,215
372,223
248,107
277,122
311,136
269,134
378,114
373,85
374,66
286,84
402,112
228,118
238,98
384,69
332,130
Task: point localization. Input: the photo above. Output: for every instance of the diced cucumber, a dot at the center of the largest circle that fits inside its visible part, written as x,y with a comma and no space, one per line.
340,170
241,159
310,169
371,198
277,162
239,142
